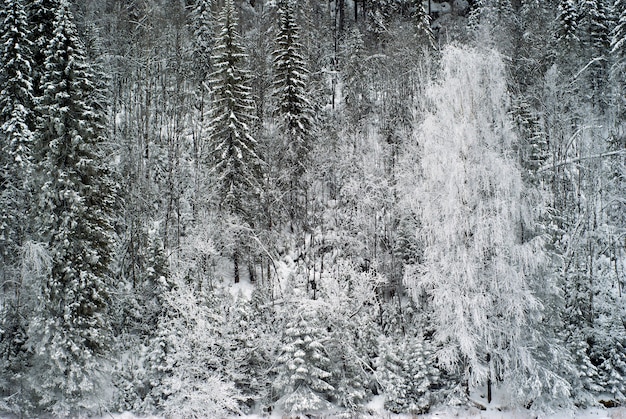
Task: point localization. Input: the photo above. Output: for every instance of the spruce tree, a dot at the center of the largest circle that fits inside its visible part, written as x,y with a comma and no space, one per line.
618,34
421,21
235,164
567,22
201,21
304,366
42,16
594,25
70,332
234,160
293,107
16,120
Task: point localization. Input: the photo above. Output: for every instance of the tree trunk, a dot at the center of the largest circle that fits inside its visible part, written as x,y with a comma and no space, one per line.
489,379
236,265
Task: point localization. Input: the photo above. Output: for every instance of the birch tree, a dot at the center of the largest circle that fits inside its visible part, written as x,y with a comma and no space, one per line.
477,272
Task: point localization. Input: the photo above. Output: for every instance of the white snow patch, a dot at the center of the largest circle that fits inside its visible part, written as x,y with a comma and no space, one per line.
377,404
242,289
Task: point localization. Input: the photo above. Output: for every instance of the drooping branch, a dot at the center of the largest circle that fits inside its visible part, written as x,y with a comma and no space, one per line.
582,158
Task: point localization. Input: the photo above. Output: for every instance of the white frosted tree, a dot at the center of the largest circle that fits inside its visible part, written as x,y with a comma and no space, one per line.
477,272
190,356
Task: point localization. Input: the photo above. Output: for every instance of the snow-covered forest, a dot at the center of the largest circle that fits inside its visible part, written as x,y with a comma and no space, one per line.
211,208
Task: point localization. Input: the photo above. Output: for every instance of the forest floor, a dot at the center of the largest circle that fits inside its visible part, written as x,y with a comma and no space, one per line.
472,413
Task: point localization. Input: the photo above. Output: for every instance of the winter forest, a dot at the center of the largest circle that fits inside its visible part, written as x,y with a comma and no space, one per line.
212,208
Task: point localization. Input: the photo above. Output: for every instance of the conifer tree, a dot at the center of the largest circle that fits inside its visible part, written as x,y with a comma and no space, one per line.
304,367
235,164
201,20
594,25
406,371
234,160
69,334
42,15
618,33
293,107
421,21
567,21
16,121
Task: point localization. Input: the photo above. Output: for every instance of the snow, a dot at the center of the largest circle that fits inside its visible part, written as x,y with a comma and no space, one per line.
375,410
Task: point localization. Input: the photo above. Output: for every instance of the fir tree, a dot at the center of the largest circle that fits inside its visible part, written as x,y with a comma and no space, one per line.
69,334
233,157
235,161
421,21
293,108
618,37
567,22
16,121
406,371
42,15
304,366
594,25
201,21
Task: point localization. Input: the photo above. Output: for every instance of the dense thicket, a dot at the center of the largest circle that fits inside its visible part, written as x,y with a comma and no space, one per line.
214,208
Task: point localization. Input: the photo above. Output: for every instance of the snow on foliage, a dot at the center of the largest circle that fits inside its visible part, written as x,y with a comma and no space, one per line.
477,271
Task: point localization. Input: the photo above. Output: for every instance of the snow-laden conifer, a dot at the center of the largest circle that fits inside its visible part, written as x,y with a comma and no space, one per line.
293,106
70,333
42,16
304,367
234,160
618,34
202,25
567,21
405,369
16,123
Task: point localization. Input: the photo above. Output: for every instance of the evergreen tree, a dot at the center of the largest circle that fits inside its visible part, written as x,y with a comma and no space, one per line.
594,22
293,107
16,121
235,162
42,15
201,21
70,332
567,22
594,25
304,367
618,34
421,21
236,166
406,371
